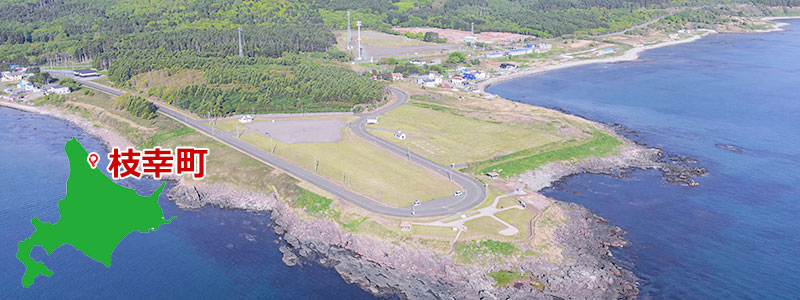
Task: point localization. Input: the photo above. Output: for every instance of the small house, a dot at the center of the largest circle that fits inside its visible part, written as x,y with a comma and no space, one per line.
85,73
496,54
405,226
493,175
12,76
417,62
58,90
444,85
520,51
456,80
27,86
397,76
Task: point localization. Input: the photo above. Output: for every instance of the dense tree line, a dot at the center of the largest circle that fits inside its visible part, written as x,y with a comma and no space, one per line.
302,87
137,106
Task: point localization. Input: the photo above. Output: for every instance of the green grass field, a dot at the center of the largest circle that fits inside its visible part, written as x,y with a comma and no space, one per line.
448,138
366,169
513,164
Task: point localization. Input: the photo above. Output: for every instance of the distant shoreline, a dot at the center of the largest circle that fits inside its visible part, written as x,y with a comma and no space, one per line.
630,55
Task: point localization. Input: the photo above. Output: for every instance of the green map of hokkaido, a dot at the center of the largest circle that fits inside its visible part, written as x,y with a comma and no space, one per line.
96,214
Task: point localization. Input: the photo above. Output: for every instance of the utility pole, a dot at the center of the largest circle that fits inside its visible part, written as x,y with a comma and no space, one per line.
408,152
241,54
316,164
270,142
349,35
358,24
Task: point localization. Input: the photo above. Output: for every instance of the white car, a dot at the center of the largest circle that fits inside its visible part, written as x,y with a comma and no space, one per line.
458,193
417,203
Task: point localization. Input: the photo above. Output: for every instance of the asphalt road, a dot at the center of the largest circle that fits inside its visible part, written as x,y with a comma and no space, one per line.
473,192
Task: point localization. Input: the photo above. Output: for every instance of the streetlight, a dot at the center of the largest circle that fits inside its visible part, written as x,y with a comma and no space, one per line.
272,148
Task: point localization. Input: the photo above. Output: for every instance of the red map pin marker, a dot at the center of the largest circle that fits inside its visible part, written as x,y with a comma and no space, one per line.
93,158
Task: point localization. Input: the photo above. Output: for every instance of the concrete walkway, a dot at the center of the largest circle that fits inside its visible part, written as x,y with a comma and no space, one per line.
489,211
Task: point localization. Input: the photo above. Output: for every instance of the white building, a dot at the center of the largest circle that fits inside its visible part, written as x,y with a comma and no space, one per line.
27,86
58,90
520,51
85,73
430,80
496,54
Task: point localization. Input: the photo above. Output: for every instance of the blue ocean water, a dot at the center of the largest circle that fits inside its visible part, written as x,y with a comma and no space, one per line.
202,254
735,236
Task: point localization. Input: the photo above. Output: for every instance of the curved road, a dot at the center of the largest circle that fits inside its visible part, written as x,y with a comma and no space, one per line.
474,192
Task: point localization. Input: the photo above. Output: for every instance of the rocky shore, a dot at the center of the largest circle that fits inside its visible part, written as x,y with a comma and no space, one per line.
631,156
392,270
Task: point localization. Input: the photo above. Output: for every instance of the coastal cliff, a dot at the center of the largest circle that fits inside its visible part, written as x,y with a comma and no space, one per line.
389,269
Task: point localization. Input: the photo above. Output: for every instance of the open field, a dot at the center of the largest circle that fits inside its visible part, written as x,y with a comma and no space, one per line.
448,138
378,44
364,168
514,164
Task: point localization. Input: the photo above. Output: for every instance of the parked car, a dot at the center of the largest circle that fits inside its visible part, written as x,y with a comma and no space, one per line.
458,193
417,203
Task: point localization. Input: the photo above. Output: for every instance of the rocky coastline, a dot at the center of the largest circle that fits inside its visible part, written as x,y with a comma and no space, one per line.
390,270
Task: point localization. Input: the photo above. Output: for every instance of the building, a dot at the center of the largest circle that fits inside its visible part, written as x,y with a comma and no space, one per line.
397,76
58,90
480,75
493,175
85,73
417,62
508,66
456,80
520,51
496,54
436,61
27,86
431,80
444,85
605,51
12,76
405,226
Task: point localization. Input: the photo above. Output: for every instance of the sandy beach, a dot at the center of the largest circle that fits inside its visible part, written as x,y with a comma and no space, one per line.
630,55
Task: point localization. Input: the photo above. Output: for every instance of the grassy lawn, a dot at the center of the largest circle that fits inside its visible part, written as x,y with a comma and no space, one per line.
519,218
447,138
470,251
433,231
513,164
367,170
232,125
504,277
483,226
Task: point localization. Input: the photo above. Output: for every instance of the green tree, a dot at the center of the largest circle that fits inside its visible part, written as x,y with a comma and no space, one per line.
456,58
431,36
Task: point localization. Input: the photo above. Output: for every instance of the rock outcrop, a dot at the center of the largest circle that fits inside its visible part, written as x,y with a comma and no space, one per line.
389,269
